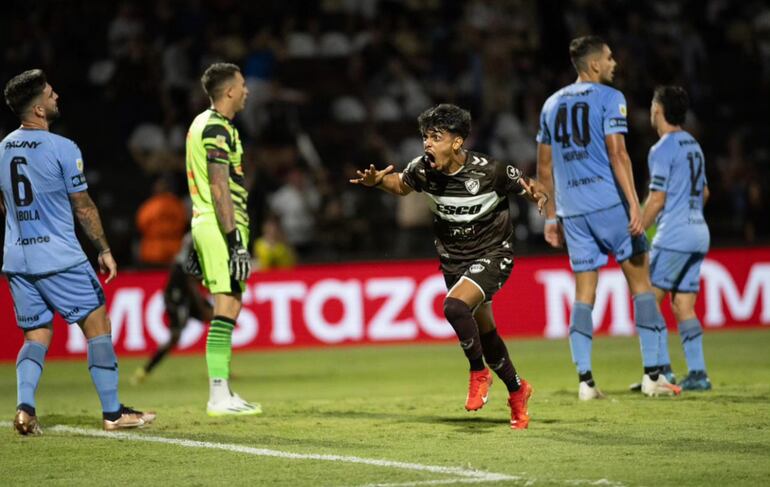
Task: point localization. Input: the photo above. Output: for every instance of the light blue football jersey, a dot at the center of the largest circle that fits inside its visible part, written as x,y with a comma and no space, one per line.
38,171
574,122
677,166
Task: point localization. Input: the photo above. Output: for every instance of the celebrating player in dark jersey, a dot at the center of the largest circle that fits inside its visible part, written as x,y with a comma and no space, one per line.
468,194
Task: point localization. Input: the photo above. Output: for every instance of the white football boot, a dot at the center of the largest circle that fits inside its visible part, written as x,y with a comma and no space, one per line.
587,393
660,387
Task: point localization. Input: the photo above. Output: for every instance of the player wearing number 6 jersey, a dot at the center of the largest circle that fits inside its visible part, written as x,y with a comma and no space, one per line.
582,161
220,224
678,191
42,182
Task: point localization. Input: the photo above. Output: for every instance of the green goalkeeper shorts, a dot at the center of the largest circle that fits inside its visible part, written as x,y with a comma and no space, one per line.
215,258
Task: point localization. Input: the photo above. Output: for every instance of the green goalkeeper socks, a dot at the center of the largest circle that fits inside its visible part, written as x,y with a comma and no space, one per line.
219,347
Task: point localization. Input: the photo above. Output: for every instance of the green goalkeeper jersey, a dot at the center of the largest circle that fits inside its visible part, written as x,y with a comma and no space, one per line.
213,138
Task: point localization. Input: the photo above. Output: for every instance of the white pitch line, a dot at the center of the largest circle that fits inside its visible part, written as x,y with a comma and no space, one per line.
463,473
417,483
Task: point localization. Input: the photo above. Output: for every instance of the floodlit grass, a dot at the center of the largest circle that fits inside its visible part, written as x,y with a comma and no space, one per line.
405,404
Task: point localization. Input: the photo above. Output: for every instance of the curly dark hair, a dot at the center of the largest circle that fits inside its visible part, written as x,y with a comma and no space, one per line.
446,117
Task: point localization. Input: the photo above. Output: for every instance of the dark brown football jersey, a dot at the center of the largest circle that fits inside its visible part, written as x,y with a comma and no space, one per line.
470,207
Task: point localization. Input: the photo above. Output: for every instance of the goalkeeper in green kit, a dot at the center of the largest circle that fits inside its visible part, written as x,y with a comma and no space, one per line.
220,224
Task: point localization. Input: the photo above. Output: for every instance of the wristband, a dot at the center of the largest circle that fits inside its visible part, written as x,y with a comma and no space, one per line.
105,251
551,221
234,238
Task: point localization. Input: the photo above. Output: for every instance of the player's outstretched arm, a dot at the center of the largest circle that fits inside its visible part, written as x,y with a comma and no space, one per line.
385,180
652,208
552,231
89,219
621,167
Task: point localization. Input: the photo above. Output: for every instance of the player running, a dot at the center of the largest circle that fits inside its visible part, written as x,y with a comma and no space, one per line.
468,194
582,161
42,183
678,191
220,224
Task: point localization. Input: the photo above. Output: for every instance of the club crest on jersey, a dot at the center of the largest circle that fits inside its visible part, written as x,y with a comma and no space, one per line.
472,185
513,173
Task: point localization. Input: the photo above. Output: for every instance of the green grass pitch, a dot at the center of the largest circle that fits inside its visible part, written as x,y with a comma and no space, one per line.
404,405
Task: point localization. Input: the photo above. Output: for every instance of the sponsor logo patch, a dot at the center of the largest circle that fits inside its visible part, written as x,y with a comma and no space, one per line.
476,268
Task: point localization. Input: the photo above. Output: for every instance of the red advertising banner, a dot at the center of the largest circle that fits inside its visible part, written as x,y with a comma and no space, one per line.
370,303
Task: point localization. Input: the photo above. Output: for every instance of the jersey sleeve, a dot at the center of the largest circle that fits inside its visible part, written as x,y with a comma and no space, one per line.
615,114
506,178
216,143
660,168
71,163
415,175
543,134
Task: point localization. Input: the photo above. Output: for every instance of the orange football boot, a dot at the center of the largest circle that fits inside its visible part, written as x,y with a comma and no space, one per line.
518,403
478,389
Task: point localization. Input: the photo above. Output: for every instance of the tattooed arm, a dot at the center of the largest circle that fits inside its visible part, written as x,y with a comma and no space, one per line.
88,217
219,181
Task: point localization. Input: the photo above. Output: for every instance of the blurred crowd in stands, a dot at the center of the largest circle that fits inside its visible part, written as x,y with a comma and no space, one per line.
337,84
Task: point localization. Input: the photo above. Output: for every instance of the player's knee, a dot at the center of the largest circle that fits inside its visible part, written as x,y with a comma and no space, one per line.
455,309
682,312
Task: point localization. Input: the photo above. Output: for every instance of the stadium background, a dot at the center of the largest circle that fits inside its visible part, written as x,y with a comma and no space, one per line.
337,85
353,76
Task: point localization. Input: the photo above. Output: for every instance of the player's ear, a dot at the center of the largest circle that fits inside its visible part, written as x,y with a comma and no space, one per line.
457,143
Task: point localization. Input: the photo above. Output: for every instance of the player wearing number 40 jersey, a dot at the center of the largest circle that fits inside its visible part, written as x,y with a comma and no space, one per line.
582,160
42,182
468,194
678,191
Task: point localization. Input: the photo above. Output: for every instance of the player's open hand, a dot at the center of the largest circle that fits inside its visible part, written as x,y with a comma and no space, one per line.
371,177
554,235
107,265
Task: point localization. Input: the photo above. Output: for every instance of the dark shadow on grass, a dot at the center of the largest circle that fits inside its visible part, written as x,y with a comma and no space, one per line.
670,444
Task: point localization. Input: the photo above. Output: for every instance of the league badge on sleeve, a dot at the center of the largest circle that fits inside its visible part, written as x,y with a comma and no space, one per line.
513,173
622,109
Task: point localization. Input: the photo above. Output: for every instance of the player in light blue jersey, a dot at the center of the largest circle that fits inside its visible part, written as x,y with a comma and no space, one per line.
42,182
582,159
678,191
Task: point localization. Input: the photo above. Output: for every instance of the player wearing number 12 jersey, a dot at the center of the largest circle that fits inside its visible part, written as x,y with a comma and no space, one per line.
42,183
678,191
582,160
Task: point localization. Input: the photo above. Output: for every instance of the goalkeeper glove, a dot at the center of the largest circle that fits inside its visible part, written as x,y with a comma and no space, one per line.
240,260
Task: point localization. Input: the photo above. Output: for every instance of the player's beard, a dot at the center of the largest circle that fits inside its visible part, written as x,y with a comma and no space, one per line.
51,115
